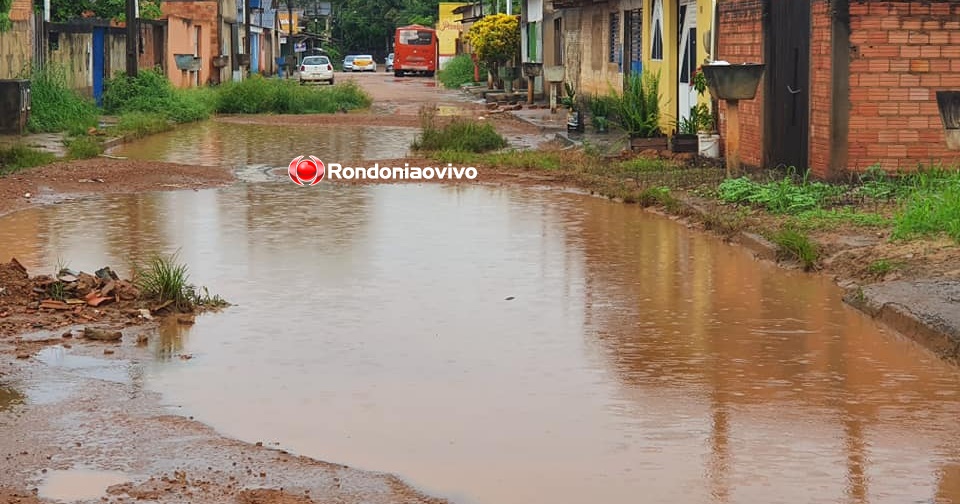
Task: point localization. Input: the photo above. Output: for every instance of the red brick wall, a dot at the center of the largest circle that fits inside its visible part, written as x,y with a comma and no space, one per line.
821,81
20,10
740,32
901,54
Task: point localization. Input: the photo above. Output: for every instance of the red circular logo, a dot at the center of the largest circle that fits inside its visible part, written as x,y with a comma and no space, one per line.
306,170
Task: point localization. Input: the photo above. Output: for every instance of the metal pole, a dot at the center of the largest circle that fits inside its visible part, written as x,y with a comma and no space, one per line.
132,38
733,138
249,46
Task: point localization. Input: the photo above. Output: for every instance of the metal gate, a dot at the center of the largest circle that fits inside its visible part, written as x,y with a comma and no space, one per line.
787,92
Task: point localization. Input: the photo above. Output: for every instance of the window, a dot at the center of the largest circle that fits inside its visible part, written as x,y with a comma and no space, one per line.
613,44
416,37
656,45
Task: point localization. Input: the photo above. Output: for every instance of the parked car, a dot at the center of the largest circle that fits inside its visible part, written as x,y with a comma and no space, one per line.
348,63
389,62
316,68
364,63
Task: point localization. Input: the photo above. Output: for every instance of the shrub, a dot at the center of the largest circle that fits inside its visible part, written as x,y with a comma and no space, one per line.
257,95
458,71
458,135
83,147
151,92
638,108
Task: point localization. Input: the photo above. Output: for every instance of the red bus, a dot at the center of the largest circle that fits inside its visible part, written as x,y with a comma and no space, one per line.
415,50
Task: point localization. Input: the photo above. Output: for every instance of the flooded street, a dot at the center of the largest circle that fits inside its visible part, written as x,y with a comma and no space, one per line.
510,346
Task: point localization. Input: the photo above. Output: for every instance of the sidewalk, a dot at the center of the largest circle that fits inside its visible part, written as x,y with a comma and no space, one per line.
611,143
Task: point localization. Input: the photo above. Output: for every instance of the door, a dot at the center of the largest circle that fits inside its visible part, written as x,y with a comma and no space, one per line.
558,41
687,64
254,53
99,52
196,53
787,97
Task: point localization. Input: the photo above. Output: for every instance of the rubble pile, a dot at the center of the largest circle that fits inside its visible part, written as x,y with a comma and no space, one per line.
68,291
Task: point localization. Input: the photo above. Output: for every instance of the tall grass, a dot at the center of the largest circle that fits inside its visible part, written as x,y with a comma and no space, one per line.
151,92
259,95
458,135
55,106
18,157
458,71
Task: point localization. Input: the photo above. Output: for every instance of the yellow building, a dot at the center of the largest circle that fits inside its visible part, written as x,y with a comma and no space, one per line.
449,31
617,38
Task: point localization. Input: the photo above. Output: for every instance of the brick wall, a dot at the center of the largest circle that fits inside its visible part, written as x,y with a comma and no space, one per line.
183,16
821,80
740,32
901,54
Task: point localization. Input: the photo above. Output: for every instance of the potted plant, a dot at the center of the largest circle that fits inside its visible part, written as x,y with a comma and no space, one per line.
574,117
639,111
685,138
600,108
708,140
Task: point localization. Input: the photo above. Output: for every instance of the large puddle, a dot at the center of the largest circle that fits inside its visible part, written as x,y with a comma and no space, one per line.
636,360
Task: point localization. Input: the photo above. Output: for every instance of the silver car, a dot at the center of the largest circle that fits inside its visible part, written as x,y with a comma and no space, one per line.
316,69
348,63
389,62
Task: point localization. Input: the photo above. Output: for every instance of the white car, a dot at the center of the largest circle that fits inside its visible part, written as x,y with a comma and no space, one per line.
364,63
316,69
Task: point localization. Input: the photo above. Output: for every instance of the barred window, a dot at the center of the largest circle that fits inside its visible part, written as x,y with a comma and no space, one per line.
656,45
613,49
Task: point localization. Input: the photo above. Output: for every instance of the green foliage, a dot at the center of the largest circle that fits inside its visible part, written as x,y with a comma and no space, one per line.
18,157
638,108
793,244
881,267
54,106
933,208
163,278
458,71
66,10
83,147
151,92
496,38
569,101
257,95
458,135
784,196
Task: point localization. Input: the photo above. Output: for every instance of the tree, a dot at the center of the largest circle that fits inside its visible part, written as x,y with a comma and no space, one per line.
495,39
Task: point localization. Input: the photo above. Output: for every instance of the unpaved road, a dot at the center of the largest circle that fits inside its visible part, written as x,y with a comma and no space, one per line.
78,417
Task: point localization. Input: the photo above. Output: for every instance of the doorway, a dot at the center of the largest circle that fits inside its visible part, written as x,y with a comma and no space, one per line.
687,64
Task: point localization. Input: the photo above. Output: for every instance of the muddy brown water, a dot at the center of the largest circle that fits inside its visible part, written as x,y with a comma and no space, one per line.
634,357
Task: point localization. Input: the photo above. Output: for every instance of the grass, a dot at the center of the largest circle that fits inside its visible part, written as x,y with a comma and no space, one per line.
18,157
881,267
58,290
142,124
150,92
794,244
458,71
932,209
54,107
83,147
258,95
163,278
458,135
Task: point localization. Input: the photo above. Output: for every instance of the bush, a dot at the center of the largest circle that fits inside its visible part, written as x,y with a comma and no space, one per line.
458,135
141,124
638,108
257,95
458,71
55,107
151,92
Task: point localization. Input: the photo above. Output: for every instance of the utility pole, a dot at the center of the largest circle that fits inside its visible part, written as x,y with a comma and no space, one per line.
249,46
133,37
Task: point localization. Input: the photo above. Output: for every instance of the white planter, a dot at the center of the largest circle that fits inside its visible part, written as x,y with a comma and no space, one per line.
709,145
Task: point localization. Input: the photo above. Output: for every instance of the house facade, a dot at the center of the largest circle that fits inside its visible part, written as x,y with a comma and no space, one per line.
602,43
849,84
191,30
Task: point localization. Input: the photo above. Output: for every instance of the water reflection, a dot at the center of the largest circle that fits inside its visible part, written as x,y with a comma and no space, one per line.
634,357
9,397
170,339
216,143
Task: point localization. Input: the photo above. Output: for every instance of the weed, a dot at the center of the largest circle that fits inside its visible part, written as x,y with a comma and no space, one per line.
785,196
932,209
54,106
18,157
57,289
205,299
794,244
881,267
163,278
83,147
258,95
727,224
151,92
457,135
458,71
